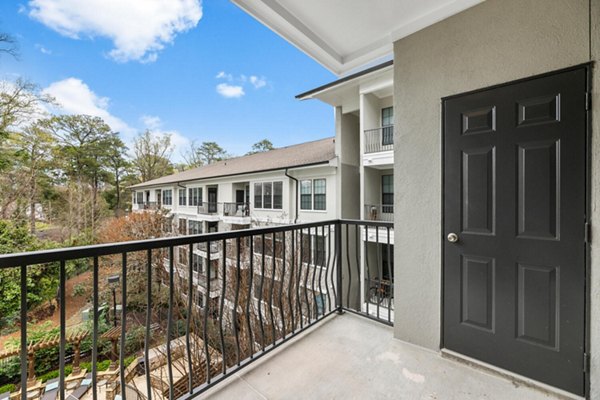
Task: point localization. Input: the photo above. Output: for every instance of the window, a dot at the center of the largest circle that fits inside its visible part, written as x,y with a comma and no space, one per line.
139,197
167,197
197,263
313,249
195,227
258,195
387,194
183,255
268,195
313,194
195,196
387,126
306,195
182,226
278,195
320,191
182,197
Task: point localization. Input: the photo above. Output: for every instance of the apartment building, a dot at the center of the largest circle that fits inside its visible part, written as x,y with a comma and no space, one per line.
364,124
294,184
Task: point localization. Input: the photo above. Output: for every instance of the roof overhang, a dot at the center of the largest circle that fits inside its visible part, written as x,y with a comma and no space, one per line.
346,35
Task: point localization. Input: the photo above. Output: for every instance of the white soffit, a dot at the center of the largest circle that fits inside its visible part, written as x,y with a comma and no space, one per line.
345,34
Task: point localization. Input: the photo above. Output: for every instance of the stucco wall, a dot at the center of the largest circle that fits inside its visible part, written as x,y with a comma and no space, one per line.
494,42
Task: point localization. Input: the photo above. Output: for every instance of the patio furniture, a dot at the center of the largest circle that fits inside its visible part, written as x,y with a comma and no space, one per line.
51,391
82,389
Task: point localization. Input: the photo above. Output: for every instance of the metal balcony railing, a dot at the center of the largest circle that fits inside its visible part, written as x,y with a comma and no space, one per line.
256,303
236,209
209,208
149,205
379,139
382,212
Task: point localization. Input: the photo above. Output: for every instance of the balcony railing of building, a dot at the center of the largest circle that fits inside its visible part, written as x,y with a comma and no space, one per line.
379,139
148,205
236,209
209,208
266,296
379,212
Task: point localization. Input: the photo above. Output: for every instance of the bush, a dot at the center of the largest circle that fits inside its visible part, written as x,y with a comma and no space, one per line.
54,374
100,365
7,388
135,338
79,290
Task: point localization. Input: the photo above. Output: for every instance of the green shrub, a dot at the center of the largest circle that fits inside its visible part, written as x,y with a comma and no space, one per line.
79,290
55,374
8,388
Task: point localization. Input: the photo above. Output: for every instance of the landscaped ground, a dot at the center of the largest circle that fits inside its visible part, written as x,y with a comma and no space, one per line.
74,305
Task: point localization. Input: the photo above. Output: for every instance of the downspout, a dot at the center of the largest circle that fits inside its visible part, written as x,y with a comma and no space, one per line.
295,197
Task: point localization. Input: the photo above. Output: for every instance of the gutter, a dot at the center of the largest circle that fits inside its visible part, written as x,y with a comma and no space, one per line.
296,196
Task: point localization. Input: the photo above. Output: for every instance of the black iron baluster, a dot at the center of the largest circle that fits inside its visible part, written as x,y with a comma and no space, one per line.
148,337
206,311
123,324
299,288
308,308
291,284
249,297
333,275
63,329
188,319
273,268
95,329
366,254
260,300
236,322
170,322
313,254
378,264
338,250
357,256
223,292
349,266
281,283
327,266
321,262
23,319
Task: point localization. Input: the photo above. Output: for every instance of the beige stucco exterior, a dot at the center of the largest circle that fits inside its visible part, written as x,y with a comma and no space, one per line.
492,43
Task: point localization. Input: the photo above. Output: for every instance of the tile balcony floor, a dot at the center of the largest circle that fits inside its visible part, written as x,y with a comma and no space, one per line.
351,357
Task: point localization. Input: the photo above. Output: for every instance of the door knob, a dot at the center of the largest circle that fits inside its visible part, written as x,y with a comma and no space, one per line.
452,237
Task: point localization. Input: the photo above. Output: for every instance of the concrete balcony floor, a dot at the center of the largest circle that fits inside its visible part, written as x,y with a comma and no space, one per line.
350,357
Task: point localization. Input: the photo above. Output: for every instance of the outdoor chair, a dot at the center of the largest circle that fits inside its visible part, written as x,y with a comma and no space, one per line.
51,391
82,389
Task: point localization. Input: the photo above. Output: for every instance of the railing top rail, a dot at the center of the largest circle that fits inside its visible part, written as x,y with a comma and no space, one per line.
379,128
98,250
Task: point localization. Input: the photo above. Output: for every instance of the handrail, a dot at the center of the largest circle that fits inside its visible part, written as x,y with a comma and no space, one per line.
379,139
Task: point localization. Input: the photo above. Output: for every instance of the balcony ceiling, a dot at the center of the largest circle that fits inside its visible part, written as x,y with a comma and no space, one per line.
344,35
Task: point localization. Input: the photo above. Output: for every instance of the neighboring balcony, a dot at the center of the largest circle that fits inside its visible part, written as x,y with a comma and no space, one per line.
379,139
379,212
210,211
236,213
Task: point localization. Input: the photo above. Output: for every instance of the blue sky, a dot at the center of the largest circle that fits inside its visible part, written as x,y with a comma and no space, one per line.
200,71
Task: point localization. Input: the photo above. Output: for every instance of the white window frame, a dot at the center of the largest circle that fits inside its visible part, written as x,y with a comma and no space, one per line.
272,196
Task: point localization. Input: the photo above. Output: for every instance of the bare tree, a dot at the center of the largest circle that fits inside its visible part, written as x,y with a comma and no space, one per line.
9,45
152,153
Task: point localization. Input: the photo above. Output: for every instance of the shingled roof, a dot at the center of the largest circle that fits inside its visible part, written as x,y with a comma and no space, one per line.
309,153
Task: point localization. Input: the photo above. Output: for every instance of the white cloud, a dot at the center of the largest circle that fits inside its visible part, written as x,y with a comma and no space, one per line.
75,97
151,122
258,82
139,29
237,91
230,91
42,49
224,75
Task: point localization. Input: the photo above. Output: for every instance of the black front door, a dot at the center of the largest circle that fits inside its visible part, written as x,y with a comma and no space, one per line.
514,227
212,200
239,196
